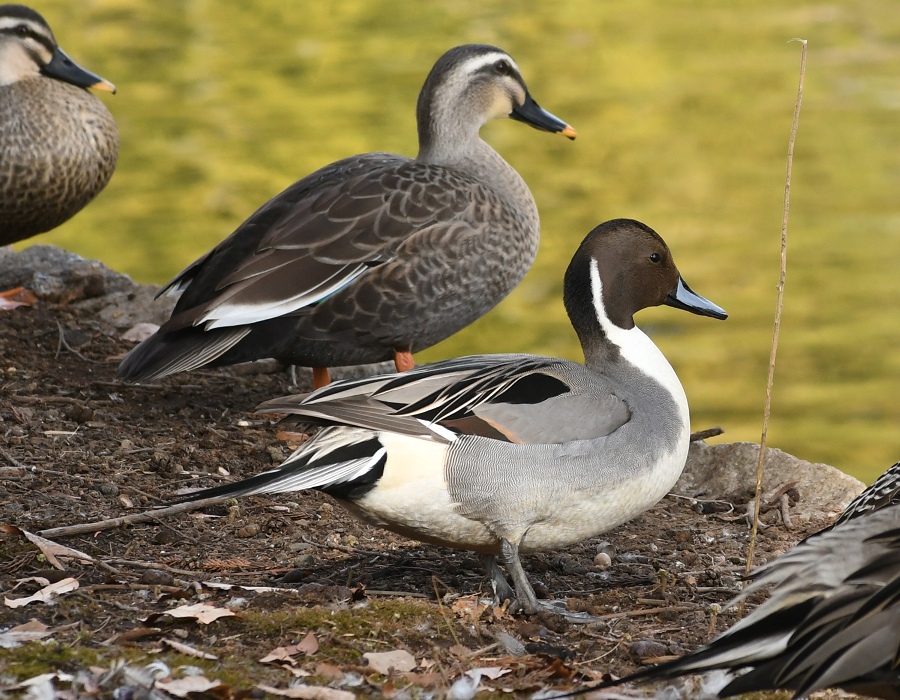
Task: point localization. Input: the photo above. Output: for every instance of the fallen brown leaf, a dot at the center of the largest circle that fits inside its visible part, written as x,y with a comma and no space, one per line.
46,594
50,549
20,634
309,644
398,660
426,680
136,633
181,687
309,692
201,612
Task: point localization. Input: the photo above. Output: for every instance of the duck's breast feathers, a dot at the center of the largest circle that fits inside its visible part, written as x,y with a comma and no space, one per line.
327,230
514,398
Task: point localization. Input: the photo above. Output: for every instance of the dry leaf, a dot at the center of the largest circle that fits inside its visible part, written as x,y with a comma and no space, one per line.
309,644
189,684
492,672
329,671
201,612
136,633
309,692
280,655
188,649
24,633
426,680
46,594
383,661
60,676
51,550
469,608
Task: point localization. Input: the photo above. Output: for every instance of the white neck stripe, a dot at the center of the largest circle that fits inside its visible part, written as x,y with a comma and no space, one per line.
635,346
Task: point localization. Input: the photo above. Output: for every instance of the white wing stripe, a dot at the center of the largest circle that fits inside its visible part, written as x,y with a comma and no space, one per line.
227,314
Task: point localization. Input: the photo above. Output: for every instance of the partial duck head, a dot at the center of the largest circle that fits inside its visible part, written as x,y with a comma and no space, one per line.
469,86
28,49
621,267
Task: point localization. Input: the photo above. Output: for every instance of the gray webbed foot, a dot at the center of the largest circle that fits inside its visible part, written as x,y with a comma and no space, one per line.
524,598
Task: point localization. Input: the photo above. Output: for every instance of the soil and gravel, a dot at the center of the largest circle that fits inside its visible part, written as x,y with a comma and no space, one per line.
78,446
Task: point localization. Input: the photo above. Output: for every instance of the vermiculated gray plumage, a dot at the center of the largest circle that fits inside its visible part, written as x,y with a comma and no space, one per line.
499,454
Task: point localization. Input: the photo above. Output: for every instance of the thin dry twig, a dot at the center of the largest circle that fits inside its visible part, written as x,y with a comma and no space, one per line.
779,304
708,433
62,344
143,517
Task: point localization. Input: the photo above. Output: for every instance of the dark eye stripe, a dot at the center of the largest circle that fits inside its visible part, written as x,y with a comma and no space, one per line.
16,31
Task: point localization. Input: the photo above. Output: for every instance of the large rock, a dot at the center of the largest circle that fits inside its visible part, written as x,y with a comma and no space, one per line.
723,471
60,277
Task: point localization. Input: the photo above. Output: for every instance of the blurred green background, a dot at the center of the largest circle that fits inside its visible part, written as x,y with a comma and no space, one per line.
683,111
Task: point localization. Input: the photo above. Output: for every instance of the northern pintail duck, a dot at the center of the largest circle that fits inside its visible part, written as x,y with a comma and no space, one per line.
58,143
832,620
499,454
884,491
373,257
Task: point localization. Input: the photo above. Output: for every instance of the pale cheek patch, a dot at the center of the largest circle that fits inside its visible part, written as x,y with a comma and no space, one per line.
500,107
16,64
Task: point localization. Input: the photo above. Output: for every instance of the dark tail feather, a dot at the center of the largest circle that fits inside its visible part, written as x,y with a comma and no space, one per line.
163,354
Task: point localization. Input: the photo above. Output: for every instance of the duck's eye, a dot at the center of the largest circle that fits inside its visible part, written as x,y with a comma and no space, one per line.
503,67
22,30
655,257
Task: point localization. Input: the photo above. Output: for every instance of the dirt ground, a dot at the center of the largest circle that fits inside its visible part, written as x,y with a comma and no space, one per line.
77,446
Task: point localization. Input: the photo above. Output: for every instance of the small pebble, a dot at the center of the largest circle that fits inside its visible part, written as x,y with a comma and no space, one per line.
156,577
249,530
306,560
108,489
647,648
602,561
164,537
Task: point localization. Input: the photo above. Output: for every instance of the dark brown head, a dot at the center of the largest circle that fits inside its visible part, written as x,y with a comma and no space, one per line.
621,267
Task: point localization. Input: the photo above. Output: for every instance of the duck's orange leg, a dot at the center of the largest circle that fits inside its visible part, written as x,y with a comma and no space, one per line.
403,360
14,298
320,377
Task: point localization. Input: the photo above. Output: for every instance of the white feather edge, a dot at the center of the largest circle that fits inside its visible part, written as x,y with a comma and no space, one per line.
227,314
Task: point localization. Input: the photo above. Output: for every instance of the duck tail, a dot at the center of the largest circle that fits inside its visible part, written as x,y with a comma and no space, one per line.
339,461
184,350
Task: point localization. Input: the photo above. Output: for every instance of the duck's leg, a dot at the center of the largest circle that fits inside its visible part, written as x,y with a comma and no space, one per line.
502,590
526,600
525,597
320,377
403,360
14,298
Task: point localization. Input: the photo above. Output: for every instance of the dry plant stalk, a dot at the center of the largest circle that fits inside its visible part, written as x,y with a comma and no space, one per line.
779,305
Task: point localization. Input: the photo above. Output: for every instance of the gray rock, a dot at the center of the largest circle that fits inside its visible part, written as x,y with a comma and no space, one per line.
720,471
58,276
